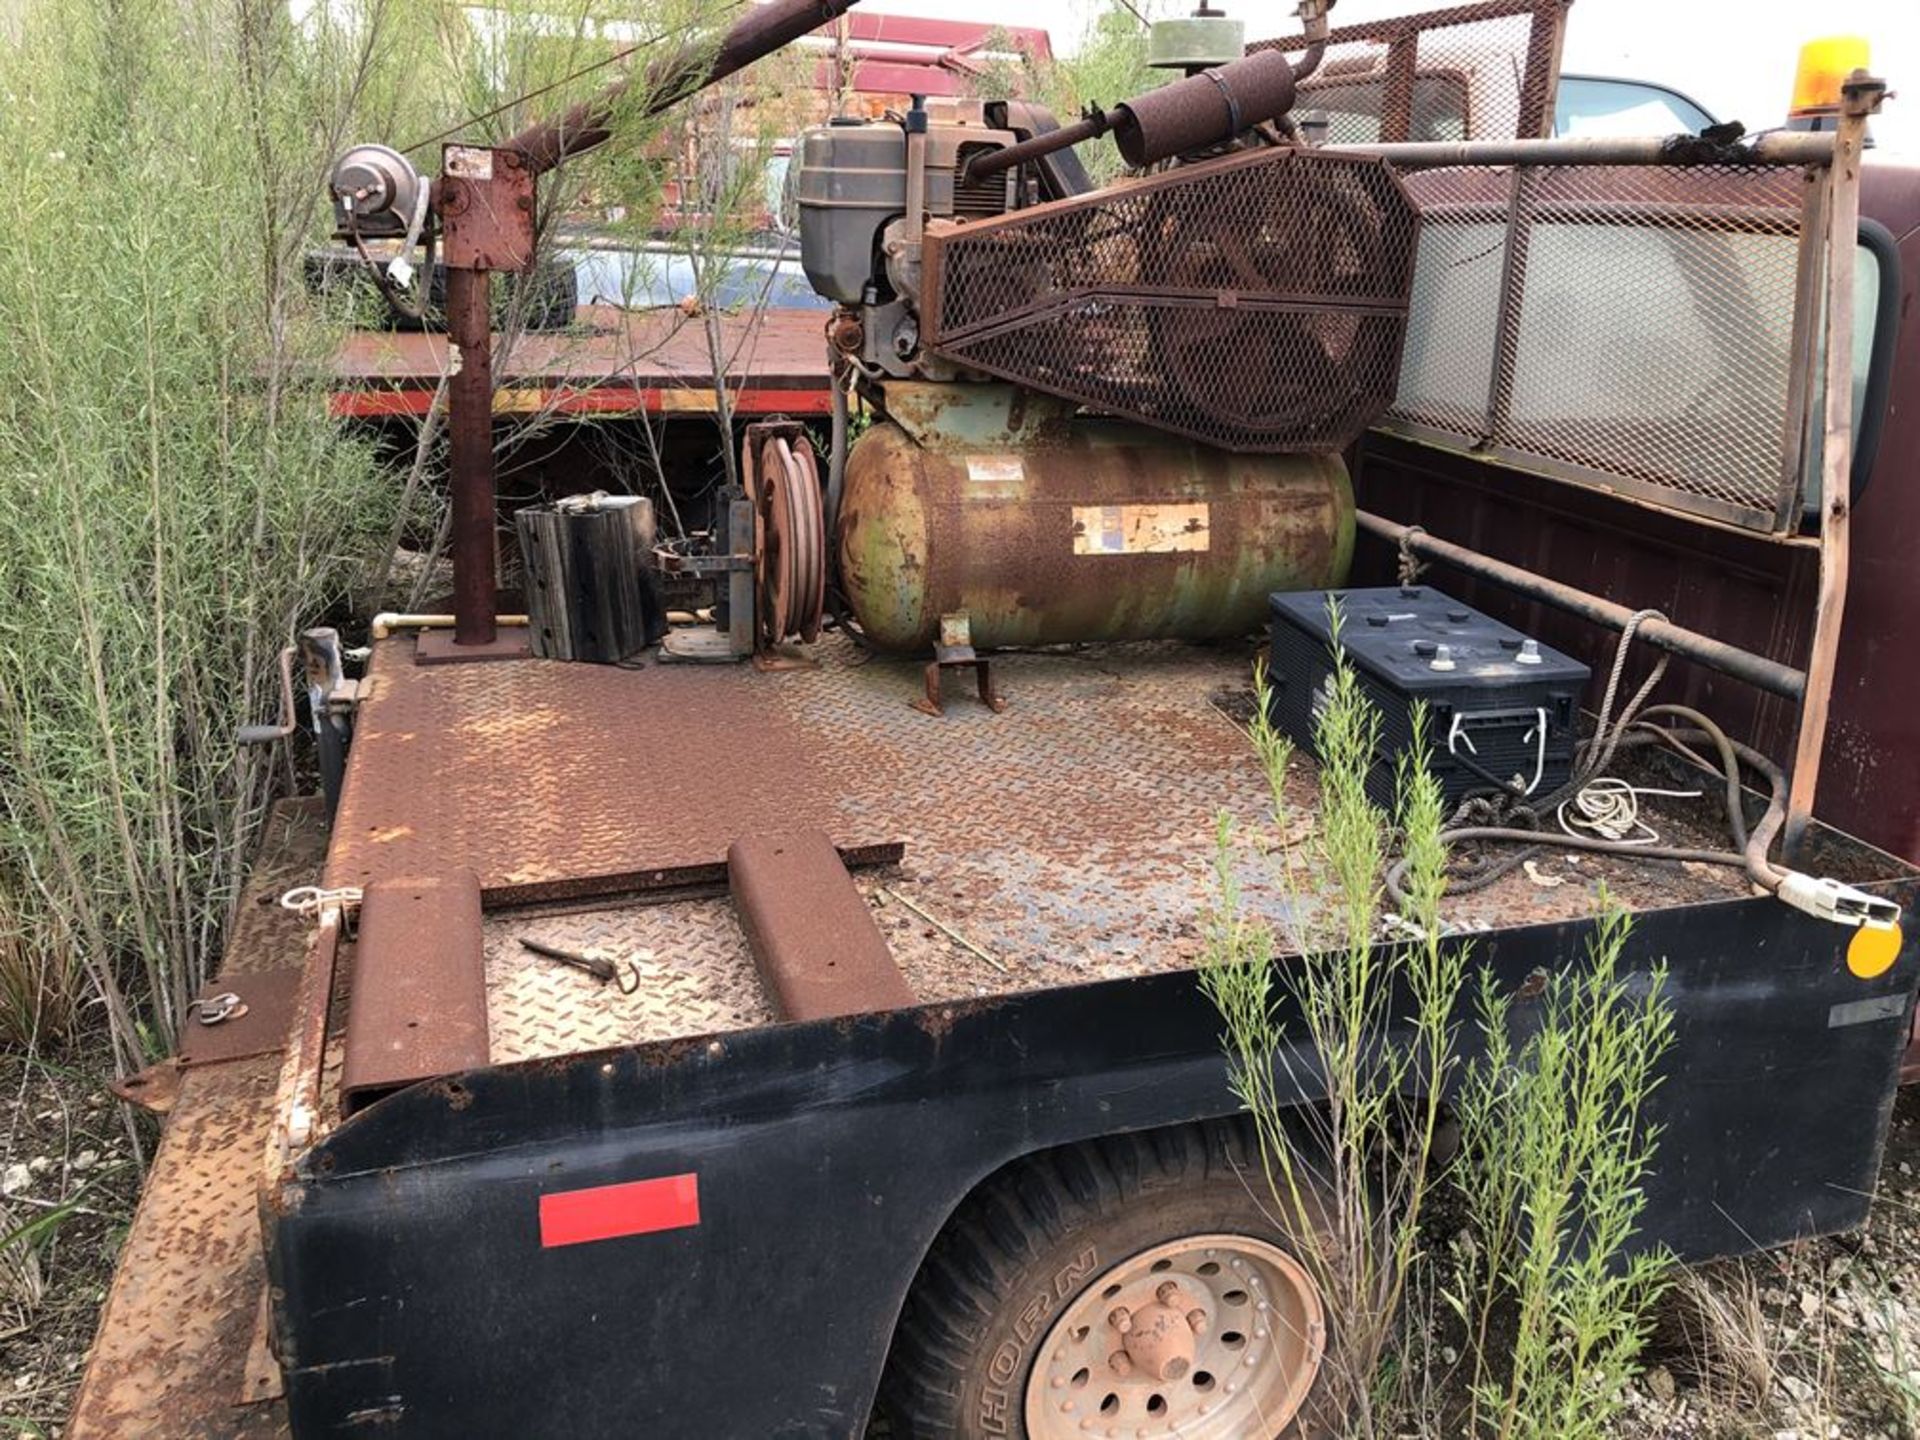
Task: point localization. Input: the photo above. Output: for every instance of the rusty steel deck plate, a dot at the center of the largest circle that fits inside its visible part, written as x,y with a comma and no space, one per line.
548,779
417,1004
171,1355
258,1028
1069,839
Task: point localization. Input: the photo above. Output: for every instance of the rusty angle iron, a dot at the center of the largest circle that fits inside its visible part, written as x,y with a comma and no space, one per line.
814,940
418,1005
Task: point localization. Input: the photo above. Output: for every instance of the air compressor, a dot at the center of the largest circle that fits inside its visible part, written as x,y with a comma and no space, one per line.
1103,413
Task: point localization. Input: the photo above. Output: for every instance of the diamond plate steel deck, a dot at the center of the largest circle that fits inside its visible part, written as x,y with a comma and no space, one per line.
1071,838
696,977
1068,838
548,779
170,1357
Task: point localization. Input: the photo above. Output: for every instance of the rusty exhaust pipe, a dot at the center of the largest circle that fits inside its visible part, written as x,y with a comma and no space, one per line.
1202,110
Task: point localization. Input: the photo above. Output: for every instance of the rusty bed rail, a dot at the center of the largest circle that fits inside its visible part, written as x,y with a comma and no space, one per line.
1745,252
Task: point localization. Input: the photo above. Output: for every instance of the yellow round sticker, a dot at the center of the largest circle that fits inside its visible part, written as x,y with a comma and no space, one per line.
1871,952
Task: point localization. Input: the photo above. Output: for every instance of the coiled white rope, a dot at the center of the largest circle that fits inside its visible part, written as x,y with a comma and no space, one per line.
1610,808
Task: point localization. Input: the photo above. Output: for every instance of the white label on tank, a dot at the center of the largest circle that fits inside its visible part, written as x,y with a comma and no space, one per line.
1138,529
995,469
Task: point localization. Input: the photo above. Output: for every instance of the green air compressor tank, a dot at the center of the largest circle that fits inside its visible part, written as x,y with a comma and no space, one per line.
1045,527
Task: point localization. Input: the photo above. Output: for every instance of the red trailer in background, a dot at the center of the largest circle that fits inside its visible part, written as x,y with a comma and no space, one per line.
879,57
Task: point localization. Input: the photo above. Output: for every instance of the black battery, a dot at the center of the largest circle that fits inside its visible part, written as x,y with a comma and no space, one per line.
1501,707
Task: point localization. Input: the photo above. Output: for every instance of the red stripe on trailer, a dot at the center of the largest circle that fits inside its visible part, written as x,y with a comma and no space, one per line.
607,1212
377,404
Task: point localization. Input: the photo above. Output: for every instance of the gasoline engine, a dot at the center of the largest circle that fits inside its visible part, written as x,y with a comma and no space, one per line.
1102,413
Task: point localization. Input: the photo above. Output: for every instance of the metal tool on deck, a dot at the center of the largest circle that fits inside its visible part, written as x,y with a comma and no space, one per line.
626,979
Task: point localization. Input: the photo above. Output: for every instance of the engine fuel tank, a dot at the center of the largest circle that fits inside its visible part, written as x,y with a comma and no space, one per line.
1080,530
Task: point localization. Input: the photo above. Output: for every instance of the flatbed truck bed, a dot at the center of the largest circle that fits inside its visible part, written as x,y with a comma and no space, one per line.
1042,883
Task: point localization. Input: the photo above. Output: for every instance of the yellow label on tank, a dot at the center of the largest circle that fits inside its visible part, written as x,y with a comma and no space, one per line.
1871,952
1138,529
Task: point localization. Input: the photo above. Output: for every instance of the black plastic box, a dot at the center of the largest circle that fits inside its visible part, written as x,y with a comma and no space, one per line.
1501,706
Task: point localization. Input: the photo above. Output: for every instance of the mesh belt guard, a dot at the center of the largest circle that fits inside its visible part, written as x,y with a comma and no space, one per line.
1256,302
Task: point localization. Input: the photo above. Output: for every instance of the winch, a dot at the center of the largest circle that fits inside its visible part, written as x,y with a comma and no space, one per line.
1099,412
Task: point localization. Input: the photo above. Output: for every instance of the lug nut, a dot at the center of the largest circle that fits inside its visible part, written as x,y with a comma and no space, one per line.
1169,1295
1121,1319
1120,1363
1197,1321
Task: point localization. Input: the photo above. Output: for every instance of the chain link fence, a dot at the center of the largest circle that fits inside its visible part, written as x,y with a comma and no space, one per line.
1474,72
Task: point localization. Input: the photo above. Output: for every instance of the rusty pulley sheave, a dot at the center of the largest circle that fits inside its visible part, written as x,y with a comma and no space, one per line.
790,536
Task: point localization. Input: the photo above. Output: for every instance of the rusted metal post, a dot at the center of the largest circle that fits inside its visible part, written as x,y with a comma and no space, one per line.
1396,98
470,433
1540,82
1860,98
485,200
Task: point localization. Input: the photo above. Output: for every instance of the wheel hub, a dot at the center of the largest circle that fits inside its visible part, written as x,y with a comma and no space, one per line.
1214,1337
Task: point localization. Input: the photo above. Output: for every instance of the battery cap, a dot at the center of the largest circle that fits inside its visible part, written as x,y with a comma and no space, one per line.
1529,653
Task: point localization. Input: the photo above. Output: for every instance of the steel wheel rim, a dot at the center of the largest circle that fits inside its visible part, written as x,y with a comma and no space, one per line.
1255,1350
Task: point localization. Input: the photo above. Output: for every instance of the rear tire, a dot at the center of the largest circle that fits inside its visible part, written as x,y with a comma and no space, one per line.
1009,1330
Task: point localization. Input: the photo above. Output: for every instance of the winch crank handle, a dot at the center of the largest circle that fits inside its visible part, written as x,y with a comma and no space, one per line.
267,734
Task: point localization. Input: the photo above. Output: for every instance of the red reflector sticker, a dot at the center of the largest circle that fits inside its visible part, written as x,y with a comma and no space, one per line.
606,1212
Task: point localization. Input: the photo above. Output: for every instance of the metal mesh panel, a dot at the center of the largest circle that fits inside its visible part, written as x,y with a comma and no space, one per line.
1474,72
1256,302
1633,327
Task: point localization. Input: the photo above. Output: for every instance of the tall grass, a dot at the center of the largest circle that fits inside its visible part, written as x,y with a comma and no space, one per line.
1391,1034
174,500
1553,1160
1368,1026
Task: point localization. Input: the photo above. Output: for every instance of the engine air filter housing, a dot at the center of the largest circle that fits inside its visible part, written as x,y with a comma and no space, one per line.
1193,42
1256,302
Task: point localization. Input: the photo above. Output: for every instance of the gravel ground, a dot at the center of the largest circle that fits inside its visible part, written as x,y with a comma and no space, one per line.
1817,1342
69,1176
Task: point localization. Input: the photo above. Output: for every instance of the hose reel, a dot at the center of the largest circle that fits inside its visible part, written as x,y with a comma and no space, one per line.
782,479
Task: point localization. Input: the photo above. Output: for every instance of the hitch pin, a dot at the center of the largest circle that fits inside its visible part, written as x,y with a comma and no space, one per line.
598,966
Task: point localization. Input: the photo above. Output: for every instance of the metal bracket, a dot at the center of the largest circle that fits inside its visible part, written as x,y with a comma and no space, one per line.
235,1018
954,651
486,208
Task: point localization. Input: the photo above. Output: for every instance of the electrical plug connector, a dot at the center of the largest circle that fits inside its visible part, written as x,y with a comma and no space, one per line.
1828,899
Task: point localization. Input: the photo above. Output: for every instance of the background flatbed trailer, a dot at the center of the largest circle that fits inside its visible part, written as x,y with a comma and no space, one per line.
612,363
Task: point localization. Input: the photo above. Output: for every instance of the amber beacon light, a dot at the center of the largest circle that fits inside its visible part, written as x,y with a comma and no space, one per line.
1817,80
